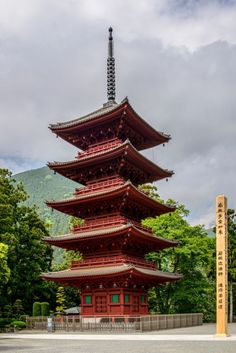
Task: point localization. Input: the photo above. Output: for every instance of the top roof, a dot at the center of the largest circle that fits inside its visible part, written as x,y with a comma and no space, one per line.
73,130
107,108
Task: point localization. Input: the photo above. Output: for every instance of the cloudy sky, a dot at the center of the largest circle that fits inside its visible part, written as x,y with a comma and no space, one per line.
175,60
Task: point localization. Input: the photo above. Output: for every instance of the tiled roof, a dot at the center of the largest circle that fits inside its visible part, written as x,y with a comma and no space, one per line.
101,232
107,152
103,192
92,156
88,233
109,270
89,195
97,113
107,108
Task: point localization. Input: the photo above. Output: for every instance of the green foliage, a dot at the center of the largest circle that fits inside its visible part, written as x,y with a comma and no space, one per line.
22,232
61,300
36,309
7,311
74,221
18,324
45,309
193,258
67,258
71,295
18,308
150,190
5,322
4,269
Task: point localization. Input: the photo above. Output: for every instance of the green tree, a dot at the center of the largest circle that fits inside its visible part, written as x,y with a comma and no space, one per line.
61,300
4,269
75,221
28,256
71,294
18,308
193,258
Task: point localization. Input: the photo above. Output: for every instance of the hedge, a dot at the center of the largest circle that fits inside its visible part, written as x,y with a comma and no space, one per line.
37,309
45,309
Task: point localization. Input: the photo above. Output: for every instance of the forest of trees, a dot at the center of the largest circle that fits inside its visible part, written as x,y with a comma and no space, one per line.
24,256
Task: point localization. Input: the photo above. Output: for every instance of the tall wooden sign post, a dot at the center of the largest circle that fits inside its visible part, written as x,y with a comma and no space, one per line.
221,266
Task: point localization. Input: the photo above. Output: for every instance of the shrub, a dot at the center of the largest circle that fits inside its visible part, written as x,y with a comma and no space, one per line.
37,309
18,308
23,318
45,309
7,311
18,324
5,322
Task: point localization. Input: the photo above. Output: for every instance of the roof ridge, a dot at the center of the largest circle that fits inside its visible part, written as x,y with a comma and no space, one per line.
94,114
107,151
93,155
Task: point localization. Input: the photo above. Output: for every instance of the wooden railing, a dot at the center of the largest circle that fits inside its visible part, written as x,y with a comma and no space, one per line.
115,323
102,185
99,147
111,260
111,221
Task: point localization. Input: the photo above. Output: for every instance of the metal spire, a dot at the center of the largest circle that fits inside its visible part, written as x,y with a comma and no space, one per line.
111,84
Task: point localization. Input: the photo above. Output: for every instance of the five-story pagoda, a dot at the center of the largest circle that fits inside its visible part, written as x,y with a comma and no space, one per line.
113,276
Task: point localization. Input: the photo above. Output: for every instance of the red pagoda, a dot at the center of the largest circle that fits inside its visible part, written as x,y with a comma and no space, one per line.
113,276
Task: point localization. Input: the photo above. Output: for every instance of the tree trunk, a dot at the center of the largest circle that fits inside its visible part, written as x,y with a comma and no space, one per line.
231,302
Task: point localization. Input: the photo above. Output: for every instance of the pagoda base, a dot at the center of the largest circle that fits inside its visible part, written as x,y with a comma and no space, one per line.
114,301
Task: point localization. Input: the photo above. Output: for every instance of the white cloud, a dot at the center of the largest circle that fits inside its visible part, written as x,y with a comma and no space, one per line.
176,63
16,17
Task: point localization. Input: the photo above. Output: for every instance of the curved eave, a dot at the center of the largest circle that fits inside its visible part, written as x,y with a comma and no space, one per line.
154,137
127,189
78,276
99,114
74,240
132,155
106,114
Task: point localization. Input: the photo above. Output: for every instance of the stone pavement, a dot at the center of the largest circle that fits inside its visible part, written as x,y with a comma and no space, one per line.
200,339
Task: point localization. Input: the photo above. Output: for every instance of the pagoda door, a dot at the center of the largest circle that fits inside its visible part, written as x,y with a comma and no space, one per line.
135,304
101,304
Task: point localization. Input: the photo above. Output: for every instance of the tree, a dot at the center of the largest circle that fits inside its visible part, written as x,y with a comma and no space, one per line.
193,258
4,269
18,308
22,231
61,300
71,294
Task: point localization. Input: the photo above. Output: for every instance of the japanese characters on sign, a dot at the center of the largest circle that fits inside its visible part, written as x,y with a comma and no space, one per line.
221,265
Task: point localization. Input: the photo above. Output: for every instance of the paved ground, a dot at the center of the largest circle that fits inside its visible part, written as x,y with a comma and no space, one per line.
189,340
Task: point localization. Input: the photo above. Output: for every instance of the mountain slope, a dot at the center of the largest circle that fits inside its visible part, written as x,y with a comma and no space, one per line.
42,184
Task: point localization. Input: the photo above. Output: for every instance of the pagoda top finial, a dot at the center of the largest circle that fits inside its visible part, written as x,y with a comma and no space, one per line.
111,86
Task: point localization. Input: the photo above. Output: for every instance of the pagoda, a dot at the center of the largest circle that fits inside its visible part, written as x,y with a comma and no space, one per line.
113,276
